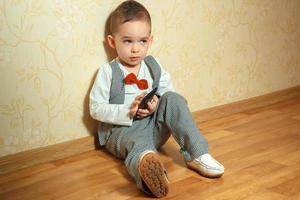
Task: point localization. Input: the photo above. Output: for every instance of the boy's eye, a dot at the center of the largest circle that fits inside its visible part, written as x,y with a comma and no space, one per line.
143,41
127,41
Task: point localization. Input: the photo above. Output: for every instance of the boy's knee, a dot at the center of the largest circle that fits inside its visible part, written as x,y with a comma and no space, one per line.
173,97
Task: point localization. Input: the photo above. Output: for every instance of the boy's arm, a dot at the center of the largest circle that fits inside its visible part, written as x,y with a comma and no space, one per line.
165,82
100,109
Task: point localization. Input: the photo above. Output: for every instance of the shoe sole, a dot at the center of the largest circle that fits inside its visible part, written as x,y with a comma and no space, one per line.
152,173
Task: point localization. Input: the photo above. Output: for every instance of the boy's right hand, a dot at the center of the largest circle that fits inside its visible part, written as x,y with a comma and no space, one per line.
135,104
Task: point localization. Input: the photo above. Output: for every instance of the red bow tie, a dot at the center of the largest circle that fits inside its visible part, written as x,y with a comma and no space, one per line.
132,79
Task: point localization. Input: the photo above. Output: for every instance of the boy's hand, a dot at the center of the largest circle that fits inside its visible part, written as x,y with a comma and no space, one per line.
141,113
135,104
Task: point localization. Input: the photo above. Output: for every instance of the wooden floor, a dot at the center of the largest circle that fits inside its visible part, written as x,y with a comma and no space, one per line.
259,148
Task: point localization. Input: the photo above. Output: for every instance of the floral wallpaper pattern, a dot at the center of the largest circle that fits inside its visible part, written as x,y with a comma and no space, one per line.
216,51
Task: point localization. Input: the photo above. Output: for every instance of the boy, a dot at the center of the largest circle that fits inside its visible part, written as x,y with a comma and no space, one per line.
136,134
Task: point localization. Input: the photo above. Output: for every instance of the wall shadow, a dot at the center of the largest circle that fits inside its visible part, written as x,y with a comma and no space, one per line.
88,121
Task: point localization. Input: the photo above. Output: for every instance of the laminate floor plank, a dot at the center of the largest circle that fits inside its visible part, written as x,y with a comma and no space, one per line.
259,148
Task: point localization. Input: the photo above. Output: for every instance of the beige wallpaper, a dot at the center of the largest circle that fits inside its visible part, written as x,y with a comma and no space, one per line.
216,51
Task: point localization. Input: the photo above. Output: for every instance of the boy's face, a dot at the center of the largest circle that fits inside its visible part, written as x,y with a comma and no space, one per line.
131,42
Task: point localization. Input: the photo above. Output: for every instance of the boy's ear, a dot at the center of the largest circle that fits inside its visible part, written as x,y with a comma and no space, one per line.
111,41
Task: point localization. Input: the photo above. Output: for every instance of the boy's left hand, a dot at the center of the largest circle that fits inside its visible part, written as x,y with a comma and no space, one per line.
141,113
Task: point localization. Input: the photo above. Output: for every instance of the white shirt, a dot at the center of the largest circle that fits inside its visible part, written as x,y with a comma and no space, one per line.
101,110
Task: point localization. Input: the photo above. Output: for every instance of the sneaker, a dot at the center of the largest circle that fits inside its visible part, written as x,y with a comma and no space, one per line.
153,174
207,166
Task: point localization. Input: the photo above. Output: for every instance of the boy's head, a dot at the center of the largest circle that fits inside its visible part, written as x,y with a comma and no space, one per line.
130,32
127,11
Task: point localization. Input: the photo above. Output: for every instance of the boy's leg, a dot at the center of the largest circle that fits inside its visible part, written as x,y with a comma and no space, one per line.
135,145
174,116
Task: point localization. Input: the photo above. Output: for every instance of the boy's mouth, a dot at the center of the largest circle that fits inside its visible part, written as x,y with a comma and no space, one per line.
134,58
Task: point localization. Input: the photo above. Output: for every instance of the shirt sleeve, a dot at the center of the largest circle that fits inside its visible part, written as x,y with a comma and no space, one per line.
100,109
165,83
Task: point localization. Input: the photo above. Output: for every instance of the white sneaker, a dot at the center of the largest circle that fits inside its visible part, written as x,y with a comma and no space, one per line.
207,166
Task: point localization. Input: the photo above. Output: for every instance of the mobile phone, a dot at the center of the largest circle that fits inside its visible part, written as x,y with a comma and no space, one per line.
147,98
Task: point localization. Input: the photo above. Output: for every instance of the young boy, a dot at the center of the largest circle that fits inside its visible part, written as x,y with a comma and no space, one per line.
133,133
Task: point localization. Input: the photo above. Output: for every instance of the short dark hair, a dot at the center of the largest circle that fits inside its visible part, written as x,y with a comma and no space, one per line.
129,10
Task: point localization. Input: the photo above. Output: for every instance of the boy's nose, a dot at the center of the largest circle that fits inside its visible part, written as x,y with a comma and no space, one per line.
135,48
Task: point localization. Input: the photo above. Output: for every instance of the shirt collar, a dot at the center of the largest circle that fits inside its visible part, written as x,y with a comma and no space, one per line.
142,69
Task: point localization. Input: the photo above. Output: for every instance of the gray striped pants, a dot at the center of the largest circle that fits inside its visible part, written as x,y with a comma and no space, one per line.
172,116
